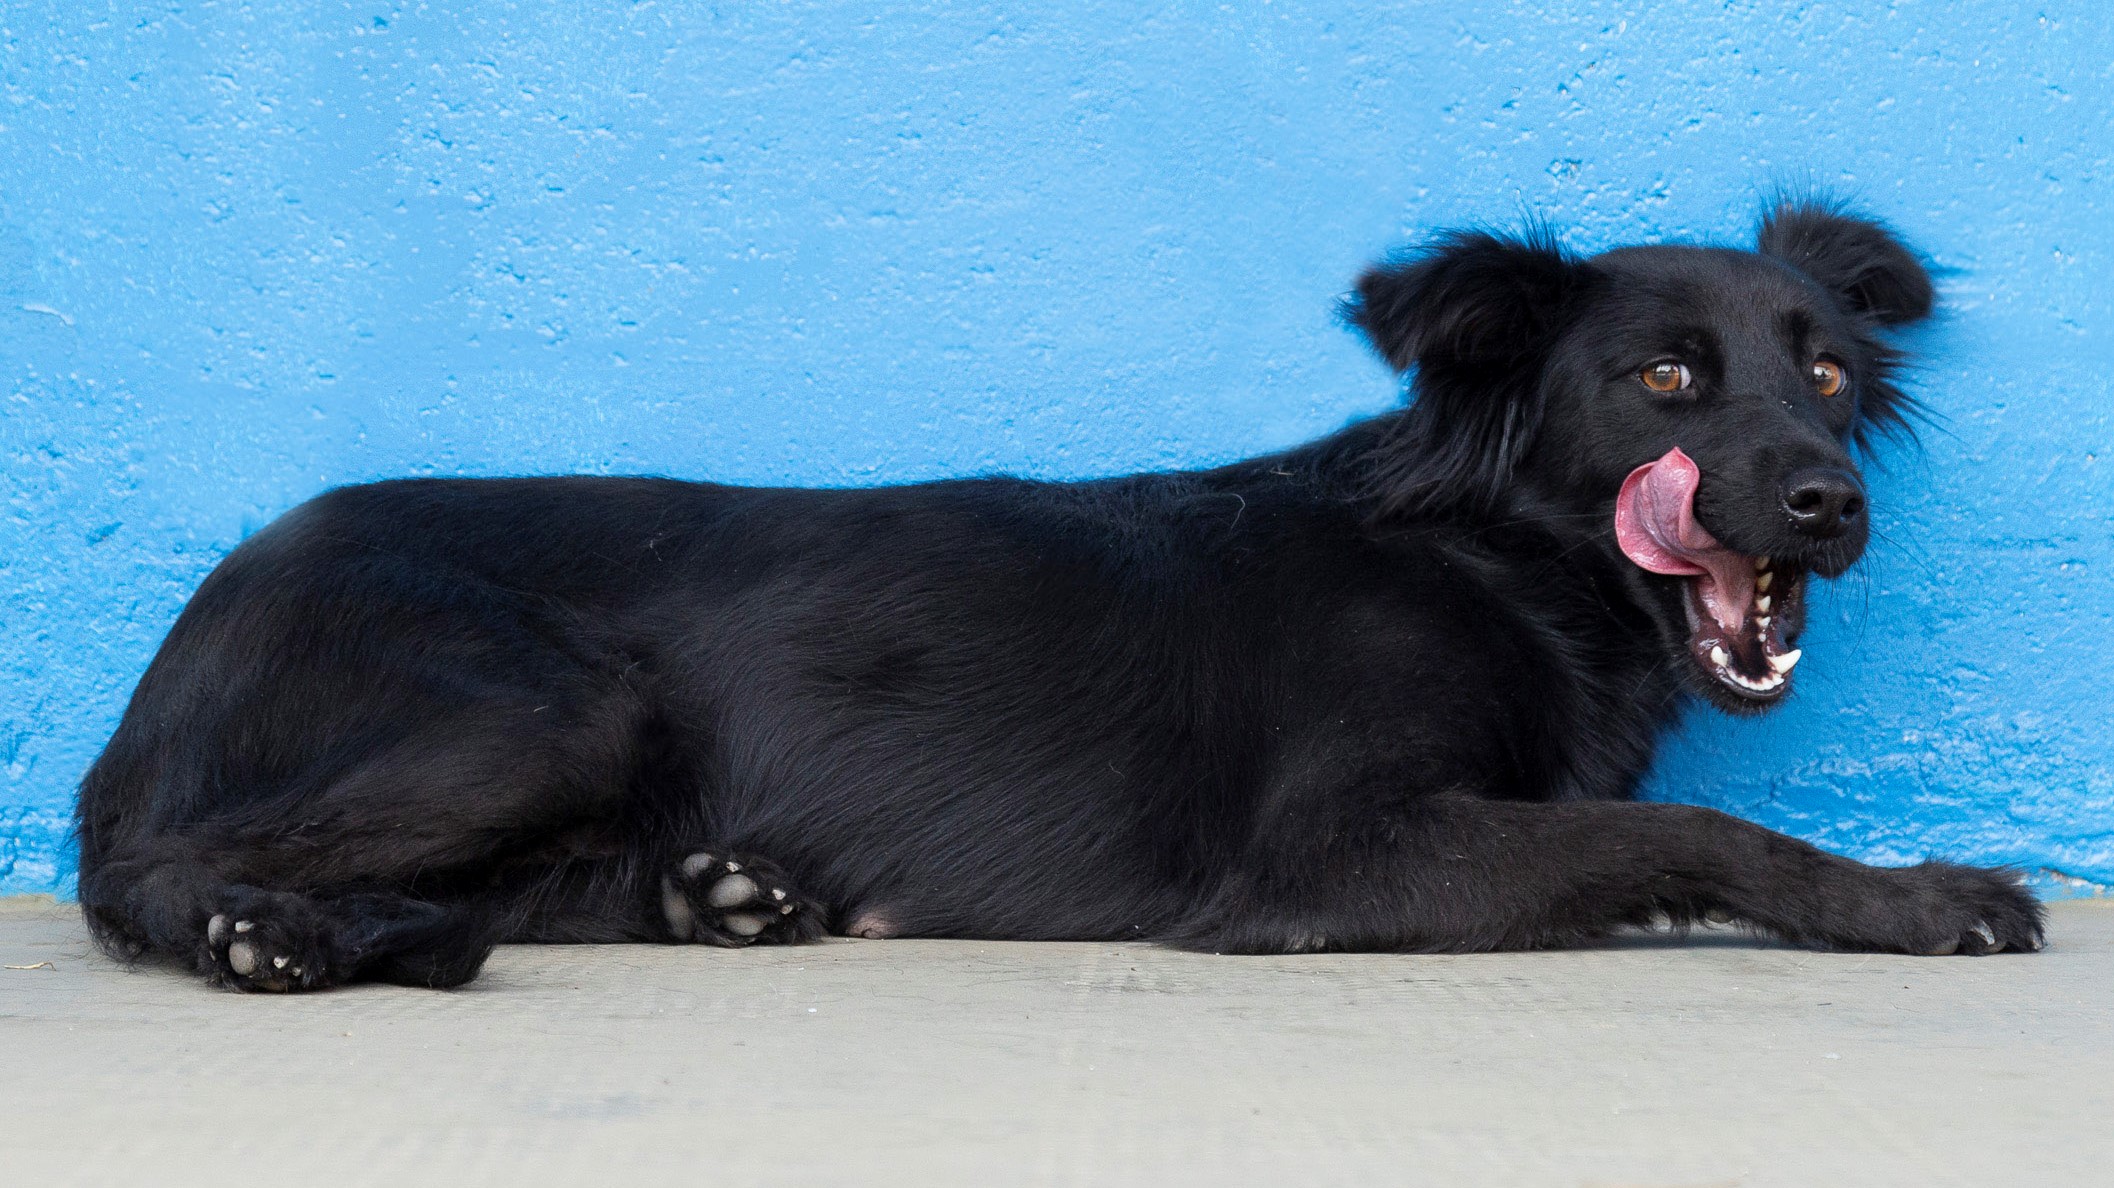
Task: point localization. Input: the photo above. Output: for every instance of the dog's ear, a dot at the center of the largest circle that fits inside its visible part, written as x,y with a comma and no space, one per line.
1475,315
1857,259
1874,275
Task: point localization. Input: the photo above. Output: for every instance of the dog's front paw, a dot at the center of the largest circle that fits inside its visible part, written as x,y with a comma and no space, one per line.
733,899
1938,909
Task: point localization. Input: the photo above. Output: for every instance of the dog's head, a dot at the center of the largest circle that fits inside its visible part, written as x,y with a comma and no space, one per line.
1696,405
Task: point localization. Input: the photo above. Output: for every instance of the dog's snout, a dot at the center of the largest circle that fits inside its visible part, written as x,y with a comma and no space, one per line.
1823,503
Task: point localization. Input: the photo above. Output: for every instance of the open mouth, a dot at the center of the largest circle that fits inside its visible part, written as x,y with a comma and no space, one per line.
1743,611
1749,652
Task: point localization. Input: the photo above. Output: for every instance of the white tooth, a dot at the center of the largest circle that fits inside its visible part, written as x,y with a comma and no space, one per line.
1763,622
1760,564
1784,662
1762,583
1762,604
1719,658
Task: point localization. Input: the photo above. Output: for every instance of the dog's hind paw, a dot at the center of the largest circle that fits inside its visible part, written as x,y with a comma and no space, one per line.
733,899
267,941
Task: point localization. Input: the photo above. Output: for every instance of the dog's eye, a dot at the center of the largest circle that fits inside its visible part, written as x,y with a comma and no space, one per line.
1827,376
1667,376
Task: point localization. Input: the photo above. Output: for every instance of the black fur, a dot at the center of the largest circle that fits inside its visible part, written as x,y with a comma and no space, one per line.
1476,315
1391,690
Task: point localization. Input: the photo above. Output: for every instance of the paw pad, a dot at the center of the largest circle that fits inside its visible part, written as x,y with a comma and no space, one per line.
732,901
250,960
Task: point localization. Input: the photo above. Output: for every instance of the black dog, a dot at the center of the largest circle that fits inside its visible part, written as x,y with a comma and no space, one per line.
1390,690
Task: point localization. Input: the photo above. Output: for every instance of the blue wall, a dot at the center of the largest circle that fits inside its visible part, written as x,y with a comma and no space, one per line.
248,251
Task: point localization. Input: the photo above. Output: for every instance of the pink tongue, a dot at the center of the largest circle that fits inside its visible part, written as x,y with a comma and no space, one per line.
1655,523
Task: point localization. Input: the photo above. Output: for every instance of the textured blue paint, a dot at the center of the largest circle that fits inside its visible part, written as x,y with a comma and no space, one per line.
251,250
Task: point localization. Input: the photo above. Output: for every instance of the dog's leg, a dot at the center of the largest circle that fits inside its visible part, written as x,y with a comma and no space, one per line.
280,941
168,898
727,898
1458,873
390,869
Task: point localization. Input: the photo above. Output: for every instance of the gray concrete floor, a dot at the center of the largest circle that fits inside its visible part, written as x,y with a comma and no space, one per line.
1646,1062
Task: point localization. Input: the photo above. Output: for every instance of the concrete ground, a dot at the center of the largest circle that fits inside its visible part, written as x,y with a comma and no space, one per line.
1714,1061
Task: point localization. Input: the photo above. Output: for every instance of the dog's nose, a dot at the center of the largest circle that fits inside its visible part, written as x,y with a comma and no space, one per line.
1823,503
